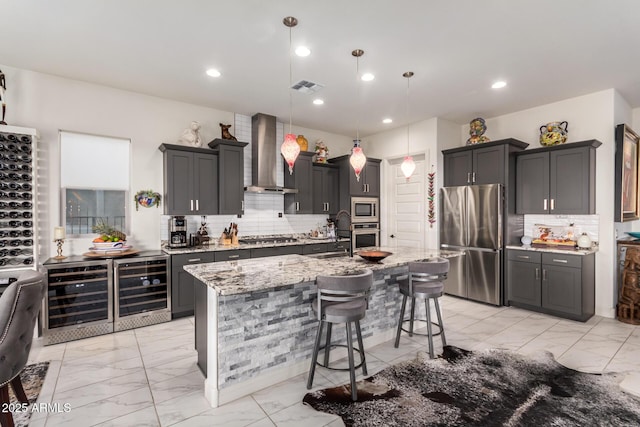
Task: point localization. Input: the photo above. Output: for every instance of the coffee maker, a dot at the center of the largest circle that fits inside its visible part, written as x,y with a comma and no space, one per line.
177,232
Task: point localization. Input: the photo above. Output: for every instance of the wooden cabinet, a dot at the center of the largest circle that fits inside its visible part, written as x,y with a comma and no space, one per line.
230,176
554,283
486,163
182,283
325,189
557,180
190,180
302,180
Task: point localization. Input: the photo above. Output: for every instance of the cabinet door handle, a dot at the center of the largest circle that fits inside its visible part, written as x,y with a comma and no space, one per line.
553,204
197,205
242,205
191,204
544,274
327,206
297,206
468,177
473,177
564,261
544,204
233,256
194,259
537,273
523,256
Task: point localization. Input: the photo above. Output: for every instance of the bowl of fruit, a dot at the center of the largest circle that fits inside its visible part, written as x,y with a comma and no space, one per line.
108,242
109,239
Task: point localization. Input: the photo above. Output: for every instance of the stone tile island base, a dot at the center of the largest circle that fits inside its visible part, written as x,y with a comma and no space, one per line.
252,340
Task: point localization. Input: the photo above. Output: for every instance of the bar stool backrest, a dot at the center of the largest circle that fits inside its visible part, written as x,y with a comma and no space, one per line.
339,289
432,270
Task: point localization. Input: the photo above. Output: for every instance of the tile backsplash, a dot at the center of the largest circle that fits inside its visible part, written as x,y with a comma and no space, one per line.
261,210
583,223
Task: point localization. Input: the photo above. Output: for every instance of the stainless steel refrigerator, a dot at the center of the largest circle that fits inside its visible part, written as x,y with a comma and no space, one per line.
471,222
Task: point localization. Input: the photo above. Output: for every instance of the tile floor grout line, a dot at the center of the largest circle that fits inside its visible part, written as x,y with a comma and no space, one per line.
153,400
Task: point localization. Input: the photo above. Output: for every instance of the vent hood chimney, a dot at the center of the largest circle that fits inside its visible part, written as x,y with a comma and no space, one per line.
264,153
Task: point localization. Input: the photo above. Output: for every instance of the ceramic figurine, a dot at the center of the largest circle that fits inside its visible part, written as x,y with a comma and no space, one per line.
477,128
302,142
225,132
191,136
553,133
322,152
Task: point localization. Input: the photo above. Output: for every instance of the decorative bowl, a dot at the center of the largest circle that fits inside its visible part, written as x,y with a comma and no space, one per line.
634,234
108,245
374,256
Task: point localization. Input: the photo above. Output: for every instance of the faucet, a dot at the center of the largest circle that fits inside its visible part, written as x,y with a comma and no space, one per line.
341,213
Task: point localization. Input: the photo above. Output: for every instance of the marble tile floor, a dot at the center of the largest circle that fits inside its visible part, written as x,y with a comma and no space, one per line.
149,377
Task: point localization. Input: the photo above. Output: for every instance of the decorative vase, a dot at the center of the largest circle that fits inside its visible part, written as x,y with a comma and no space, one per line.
584,241
553,133
302,142
477,128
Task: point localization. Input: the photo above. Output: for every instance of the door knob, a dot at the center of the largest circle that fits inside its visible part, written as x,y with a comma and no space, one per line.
392,236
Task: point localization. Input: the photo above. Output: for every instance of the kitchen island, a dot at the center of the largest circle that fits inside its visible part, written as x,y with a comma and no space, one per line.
253,318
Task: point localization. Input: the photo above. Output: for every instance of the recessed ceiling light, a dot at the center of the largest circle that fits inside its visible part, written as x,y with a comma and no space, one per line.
367,77
387,121
303,51
499,84
318,101
212,72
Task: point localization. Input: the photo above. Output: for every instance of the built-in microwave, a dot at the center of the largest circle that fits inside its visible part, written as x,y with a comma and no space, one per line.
364,209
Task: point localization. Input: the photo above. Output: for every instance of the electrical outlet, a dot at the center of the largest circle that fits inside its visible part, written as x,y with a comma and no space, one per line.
279,214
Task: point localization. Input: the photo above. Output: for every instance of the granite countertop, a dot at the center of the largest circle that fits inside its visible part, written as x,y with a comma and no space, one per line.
556,250
215,246
258,274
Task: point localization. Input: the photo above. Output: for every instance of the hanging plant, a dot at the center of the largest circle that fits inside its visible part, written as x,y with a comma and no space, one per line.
431,215
147,199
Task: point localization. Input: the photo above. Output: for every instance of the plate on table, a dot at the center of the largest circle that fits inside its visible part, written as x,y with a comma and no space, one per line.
634,234
374,256
115,250
111,253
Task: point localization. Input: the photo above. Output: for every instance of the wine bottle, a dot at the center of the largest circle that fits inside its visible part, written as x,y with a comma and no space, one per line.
25,139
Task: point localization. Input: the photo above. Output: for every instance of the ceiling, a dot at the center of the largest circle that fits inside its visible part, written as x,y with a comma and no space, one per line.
546,50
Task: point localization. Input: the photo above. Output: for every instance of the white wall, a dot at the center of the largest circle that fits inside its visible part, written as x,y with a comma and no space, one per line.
590,117
50,103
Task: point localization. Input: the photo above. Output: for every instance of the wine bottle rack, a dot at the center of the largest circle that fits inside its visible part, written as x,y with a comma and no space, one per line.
17,198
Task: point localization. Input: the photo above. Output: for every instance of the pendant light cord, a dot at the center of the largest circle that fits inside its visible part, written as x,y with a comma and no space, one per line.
290,83
408,119
358,100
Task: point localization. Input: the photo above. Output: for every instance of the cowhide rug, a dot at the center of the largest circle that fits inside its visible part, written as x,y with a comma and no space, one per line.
488,388
32,378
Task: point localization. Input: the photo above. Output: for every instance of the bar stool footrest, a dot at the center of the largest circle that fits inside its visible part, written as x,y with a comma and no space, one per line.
355,350
435,334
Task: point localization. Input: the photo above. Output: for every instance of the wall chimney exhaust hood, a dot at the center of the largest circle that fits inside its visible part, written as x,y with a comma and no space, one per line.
264,152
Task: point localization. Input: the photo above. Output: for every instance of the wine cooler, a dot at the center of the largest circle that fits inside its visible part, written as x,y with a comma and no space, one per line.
96,297
142,295
79,301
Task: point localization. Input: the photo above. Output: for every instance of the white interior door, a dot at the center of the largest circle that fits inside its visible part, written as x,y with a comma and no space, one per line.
407,202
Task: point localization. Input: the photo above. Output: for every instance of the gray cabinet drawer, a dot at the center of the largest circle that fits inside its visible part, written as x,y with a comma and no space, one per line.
338,246
232,255
314,248
192,258
524,256
562,260
278,250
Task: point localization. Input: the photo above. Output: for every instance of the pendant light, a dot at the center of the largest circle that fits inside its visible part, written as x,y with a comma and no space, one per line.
357,159
408,165
290,148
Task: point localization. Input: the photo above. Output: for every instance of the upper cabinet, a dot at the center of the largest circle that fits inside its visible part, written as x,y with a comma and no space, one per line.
230,175
301,179
325,189
486,163
557,180
369,183
190,180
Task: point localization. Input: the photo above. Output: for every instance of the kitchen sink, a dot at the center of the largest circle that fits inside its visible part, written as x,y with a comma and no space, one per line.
330,255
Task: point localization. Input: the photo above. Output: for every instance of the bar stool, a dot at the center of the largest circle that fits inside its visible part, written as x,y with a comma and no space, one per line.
423,282
341,299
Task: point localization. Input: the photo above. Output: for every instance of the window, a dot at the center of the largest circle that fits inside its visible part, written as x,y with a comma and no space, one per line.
94,182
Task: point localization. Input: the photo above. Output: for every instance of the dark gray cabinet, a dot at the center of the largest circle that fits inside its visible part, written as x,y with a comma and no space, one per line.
557,180
190,180
301,179
553,283
230,175
232,255
369,184
485,163
182,283
325,189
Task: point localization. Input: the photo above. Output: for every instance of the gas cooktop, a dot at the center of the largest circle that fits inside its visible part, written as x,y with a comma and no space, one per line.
264,240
